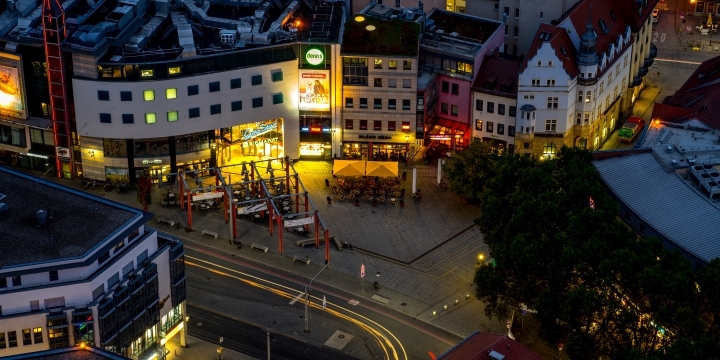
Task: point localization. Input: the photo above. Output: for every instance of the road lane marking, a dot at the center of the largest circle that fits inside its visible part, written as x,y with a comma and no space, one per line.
353,302
297,298
679,61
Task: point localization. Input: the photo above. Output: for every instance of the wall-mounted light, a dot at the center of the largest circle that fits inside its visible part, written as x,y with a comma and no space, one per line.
92,153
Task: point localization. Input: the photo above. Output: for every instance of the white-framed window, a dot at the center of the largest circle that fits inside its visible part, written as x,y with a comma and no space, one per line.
588,96
602,86
625,61
550,63
552,102
529,97
550,82
615,92
578,118
587,118
617,70
607,101
535,82
550,125
549,150
580,95
609,78
539,63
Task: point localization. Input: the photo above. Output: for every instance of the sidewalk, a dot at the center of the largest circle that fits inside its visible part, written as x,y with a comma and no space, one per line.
200,350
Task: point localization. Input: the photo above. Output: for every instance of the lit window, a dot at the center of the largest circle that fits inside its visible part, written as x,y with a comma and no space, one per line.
171,93
147,73
172,116
549,151
150,118
174,70
149,95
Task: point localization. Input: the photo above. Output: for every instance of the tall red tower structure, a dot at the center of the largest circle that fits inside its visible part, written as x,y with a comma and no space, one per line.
53,18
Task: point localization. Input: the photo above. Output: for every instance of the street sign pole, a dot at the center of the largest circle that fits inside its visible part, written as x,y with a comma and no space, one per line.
362,276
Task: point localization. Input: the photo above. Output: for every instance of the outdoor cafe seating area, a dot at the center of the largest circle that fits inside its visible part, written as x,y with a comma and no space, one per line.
373,190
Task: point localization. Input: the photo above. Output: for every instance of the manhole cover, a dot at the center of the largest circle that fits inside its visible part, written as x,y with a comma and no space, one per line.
199,324
341,336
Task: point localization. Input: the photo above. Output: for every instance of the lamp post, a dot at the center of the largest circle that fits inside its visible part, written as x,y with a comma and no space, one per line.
407,150
333,144
307,299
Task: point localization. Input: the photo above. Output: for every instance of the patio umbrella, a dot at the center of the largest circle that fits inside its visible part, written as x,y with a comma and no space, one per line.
349,168
382,168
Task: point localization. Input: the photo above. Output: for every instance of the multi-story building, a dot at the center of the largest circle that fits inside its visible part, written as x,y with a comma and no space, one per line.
117,285
494,97
159,87
638,16
573,83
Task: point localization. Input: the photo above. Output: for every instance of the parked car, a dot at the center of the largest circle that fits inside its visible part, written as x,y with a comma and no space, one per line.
656,16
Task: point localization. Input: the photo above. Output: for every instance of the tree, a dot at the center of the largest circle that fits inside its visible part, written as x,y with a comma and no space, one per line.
144,189
468,170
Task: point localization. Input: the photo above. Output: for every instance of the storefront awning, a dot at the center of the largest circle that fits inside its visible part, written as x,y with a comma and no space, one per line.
445,129
381,168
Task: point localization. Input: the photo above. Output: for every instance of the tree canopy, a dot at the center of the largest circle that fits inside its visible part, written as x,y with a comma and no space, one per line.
559,247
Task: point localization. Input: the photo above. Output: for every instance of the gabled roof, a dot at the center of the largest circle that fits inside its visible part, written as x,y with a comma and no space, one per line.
628,10
559,40
479,345
598,12
698,98
498,76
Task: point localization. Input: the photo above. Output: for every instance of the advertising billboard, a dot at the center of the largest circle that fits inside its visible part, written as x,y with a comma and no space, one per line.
314,90
12,99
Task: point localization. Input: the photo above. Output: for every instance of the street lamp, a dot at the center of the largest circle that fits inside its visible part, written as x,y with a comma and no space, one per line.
307,299
407,150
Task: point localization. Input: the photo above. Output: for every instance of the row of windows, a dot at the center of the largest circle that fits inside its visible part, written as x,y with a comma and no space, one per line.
171,116
392,83
377,125
28,337
445,86
489,127
548,82
491,108
453,109
171,93
392,64
377,103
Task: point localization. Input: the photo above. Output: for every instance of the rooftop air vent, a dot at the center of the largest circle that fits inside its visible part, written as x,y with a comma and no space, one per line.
41,217
496,355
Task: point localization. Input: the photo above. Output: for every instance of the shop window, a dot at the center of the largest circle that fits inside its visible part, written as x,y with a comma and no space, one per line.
392,83
549,151
235,83
444,108
105,118
256,80
114,147
277,99
12,136
377,125
513,111
363,124
126,96
392,64
478,124
405,126
479,105
215,109
277,76
194,112
454,110
445,86
348,102
172,116
392,104
363,103
511,131
103,95
407,65
348,124
236,105
406,105
501,129
171,93
377,82
377,104
149,95
490,107
391,125
489,127
406,83
455,89
257,102
150,118
53,275
128,118
192,142
378,63
193,90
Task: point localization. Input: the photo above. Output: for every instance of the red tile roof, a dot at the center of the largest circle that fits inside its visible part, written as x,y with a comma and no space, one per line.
497,74
581,13
478,346
558,39
698,98
628,9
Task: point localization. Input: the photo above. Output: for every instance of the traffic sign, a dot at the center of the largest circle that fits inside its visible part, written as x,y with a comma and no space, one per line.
362,270
221,339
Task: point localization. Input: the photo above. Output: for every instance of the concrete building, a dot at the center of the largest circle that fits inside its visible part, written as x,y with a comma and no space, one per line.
117,285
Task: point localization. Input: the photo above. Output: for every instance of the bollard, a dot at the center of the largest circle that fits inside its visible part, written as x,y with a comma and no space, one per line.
445,307
434,312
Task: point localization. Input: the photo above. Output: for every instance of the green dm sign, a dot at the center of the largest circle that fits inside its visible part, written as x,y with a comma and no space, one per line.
314,56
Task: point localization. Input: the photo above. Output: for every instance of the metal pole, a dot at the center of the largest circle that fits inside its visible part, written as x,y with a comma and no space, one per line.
414,180
307,299
268,343
439,173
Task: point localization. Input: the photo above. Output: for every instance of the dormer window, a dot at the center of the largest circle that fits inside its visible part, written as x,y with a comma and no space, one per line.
603,28
612,14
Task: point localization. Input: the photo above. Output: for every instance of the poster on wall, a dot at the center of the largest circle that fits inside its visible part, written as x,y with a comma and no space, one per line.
62,153
116,174
314,90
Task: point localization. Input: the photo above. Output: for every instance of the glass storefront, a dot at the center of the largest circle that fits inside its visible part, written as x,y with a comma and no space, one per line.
245,142
380,151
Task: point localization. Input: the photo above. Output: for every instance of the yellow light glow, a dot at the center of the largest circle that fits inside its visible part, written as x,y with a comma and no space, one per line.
82,345
173,332
370,27
297,23
359,18
6,99
481,257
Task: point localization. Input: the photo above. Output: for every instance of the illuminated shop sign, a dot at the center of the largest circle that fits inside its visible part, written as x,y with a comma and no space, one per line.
314,90
314,56
379,137
12,99
151,162
258,142
260,130
37,156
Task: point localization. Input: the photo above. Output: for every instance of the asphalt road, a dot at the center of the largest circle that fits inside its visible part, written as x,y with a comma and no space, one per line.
270,293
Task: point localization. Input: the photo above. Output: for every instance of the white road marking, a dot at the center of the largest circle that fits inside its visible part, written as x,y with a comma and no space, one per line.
300,295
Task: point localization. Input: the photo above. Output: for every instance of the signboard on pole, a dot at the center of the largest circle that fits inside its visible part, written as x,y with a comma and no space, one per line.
324,302
362,270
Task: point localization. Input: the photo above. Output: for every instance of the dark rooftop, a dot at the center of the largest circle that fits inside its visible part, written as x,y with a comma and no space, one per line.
389,37
76,222
466,26
70,353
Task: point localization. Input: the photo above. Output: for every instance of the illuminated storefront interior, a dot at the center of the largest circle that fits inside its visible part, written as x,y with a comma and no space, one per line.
251,141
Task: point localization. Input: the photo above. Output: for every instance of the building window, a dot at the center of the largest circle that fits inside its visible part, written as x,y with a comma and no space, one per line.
172,116
27,338
529,97
363,103
377,125
515,34
257,102
193,90
407,65
377,104
454,110
479,105
103,95
501,109
511,130
455,89
171,93
105,118
216,109
405,126
214,86
406,83
406,105
128,118
550,82
490,107
501,129
392,64
552,102
377,82
513,111
445,86
615,92
363,124
2,340
348,124
12,339
602,86
125,96
549,151
580,96
535,82
378,63
277,98
588,95
392,83
149,95
276,76
235,83
489,127
236,105
37,335
517,13
256,80
53,275
444,108
348,102
391,126
150,118
194,112
392,104
550,125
